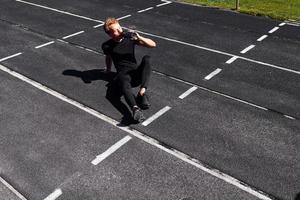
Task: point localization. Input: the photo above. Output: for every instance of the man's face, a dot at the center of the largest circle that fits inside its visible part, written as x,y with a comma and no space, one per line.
115,31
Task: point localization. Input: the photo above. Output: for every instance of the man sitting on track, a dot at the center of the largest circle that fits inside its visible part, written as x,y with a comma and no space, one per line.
120,51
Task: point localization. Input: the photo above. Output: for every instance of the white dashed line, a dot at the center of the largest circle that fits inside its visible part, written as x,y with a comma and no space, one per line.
287,116
124,17
208,77
98,25
282,24
262,38
140,11
54,195
155,116
247,49
111,150
188,92
68,36
8,57
43,45
231,60
274,29
60,11
167,2
12,189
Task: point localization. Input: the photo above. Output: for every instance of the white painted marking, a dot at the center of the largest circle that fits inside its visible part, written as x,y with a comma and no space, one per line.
124,17
8,57
247,49
155,116
231,60
287,116
43,45
54,195
293,24
12,189
262,38
98,25
60,11
68,36
149,140
282,24
140,11
274,29
111,150
167,2
188,92
208,77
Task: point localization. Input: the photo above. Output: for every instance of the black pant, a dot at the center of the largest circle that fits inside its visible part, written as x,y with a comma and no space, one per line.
139,77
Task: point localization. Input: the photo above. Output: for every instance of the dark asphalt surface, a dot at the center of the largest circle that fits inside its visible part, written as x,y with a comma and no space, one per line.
48,144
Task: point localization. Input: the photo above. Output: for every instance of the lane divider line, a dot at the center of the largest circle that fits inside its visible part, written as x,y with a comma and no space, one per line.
180,155
274,29
248,48
262,38
231,60
59,11
77,33
214,73
8,57
98,25
126,16
144,10
12,189
111,150
188,92
282,24
54,195
166,3
43,45
156,115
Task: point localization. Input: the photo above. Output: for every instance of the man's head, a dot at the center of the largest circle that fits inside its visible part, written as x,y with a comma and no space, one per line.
113,28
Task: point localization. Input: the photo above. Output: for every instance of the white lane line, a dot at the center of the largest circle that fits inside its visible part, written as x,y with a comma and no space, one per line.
54,195
282,24
262,38
140,11
155,116
126,16
12,189
208,77
59,11
274,29
167,2
231,60
98,25
8,57
204,167
247,49
68,36
287,116
43,45
111,150
188,92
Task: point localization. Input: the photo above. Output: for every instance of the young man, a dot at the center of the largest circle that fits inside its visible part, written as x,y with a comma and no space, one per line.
119,50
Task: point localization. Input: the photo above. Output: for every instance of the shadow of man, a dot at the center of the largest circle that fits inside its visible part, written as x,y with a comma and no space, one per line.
297,197
113,93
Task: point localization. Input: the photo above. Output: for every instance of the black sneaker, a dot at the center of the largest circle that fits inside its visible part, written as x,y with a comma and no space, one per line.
138,115
143,101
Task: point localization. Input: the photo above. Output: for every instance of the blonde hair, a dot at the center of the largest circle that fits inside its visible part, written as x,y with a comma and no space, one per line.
109,21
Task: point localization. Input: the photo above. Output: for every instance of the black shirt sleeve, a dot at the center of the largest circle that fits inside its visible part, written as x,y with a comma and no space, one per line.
106,48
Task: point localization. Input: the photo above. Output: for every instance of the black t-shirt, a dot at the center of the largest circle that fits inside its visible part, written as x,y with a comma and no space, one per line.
122,53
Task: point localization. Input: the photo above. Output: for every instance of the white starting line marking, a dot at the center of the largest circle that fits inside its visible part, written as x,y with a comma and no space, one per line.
126,16
155,116
60,11
43,45
208,77
149,140
68,36
11,188
111,150
167,2
274,29
231,60
282,24
262,38
188,92
8,57
247,49
140,11
54,195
